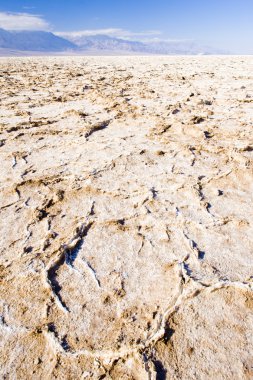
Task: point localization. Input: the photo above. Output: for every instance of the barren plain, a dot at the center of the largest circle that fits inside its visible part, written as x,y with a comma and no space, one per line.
126,218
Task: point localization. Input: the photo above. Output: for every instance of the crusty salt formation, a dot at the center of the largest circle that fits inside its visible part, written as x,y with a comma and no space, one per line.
126,218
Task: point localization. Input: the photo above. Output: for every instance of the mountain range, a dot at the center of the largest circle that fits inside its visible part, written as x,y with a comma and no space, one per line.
33,41
103,42
47,42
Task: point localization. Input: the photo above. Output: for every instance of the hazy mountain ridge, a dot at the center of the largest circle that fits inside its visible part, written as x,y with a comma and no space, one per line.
33,41
38,41
104,42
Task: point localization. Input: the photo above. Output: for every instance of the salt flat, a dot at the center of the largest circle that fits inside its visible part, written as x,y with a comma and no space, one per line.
126,218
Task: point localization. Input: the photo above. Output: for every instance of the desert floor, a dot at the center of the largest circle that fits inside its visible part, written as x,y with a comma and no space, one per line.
126,218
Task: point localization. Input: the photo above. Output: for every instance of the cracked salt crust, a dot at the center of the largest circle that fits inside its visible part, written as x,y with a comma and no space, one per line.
126,218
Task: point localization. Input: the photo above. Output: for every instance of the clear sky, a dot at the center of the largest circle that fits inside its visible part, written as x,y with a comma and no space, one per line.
226,24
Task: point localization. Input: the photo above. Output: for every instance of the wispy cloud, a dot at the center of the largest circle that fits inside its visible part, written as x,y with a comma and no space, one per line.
22,21
28,7
112,32
28,21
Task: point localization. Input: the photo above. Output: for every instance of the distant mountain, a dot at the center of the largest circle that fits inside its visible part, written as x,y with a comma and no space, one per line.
181,48
16,42
103,42
33,41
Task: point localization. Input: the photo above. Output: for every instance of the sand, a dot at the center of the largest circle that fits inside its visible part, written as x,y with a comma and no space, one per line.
126,218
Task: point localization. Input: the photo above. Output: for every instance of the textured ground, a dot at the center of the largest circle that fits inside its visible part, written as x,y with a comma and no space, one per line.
126,218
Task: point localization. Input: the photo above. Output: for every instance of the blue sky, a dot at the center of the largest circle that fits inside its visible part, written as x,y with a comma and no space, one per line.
226,24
